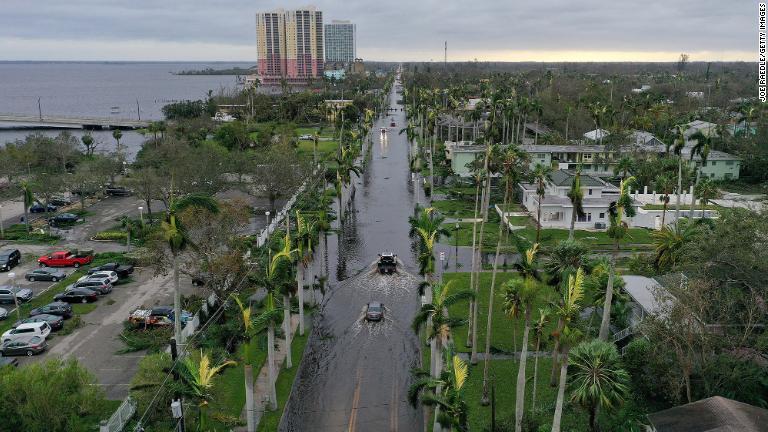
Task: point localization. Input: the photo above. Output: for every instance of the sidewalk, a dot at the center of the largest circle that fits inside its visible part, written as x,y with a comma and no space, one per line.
261,382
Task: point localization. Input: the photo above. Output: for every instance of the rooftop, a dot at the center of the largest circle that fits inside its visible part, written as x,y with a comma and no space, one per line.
715,414
643,291
596,134
565,178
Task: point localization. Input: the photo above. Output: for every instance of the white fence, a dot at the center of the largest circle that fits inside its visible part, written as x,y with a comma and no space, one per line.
120,417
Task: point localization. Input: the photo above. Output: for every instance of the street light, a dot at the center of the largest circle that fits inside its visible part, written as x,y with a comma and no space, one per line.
267,214
2,231
12,278
141,215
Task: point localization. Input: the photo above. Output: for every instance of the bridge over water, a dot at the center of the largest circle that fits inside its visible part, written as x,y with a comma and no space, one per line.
26,121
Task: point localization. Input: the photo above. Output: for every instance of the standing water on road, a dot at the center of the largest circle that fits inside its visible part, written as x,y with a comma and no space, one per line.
355,374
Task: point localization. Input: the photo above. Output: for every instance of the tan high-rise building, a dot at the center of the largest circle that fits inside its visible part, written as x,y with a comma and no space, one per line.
290,45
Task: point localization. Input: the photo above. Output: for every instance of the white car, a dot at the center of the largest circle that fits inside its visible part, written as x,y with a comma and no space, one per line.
3,314
41,329
112,276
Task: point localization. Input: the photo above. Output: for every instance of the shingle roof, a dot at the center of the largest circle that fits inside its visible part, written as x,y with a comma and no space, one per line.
715,414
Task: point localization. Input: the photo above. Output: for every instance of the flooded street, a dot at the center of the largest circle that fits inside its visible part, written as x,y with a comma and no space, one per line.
355,374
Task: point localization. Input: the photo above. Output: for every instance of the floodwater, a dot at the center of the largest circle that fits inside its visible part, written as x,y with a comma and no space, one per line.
355,374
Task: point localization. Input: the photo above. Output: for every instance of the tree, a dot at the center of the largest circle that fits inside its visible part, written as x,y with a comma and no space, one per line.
53,395
617,210
444,392
305,236
245,314
669,243
576,195
197,376
89,143
528,290
28,198
624,166
701,148
434,317
345,168
567,311
277,173
145,183
175,236
705,191
664,186
679,145
117,134
541,175
538,330
429,228
597,379
233,136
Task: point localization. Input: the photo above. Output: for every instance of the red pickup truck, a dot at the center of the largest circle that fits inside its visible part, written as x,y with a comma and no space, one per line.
66,259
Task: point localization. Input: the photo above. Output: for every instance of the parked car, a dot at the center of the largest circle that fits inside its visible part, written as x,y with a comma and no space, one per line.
77,295
122,270
61,309
101,286
8,292
63,219
306,138
66,259
61,201
3,313
40,208
117,191
27,346
41,329
109,275
9,258
55,321
45,274
157,317
374,311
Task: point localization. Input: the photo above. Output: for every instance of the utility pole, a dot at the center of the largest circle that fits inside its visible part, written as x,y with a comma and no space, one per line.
138,110
39,109
445,57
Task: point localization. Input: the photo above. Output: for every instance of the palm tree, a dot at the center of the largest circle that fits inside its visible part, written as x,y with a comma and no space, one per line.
705,191
567,311
701,148
345,168
434,316
541,175
538,330
267,320
576,195
477,247
283,275
443,392
528,291
679,145
28,198
624,166
305,235
245,314
117,134
665,184
198,375
478,177
618,229
429,228
669,242
176,237
597,379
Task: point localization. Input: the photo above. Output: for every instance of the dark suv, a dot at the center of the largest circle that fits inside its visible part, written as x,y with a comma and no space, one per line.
9,258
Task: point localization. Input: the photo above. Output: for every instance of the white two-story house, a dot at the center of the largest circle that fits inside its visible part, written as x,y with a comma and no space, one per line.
556,207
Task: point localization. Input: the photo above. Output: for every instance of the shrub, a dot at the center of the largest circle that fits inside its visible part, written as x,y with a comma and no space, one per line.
111,235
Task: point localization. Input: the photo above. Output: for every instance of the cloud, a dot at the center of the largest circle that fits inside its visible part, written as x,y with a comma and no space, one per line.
390,30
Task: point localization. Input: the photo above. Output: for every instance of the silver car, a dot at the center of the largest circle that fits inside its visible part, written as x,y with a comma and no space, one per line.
8,292
3,314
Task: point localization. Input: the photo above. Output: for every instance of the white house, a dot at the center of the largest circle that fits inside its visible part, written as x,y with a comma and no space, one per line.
556,207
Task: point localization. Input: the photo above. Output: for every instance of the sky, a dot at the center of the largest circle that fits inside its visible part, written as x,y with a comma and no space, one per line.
391,30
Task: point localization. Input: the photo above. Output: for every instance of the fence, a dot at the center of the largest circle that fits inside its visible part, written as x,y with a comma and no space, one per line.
120,417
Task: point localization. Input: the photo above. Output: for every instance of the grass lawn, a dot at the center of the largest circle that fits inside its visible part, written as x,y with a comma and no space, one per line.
506,333
504,378
271,419
457,209
324,148
229,389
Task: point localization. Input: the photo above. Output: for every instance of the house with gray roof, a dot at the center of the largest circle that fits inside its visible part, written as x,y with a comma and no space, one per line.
556,207
714,414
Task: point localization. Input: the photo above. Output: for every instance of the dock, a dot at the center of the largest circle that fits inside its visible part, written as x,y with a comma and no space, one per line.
62,122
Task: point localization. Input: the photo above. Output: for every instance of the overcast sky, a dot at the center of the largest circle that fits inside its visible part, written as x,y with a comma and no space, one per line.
512,30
